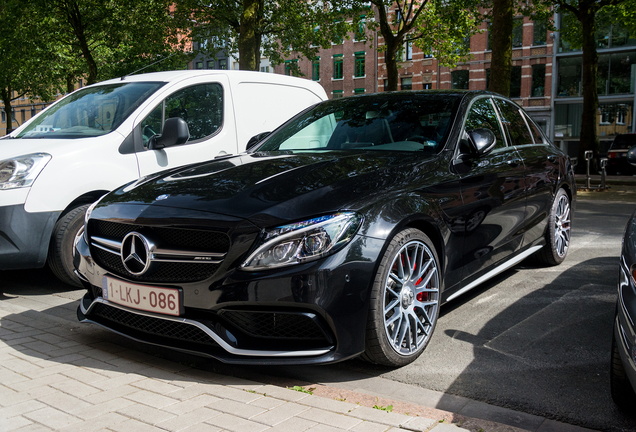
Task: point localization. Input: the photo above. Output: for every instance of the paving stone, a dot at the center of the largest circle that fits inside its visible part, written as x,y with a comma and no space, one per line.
64,402
295,424
192,404
19,365
379,416
110,394
75,388
103,408
367,426
231,393
8,377
52,418
145,414
86,376
122,380
280,413
28,384
329,418
192,418
236,424
13,423
56,368
21,408
33,427
282,393
40,346
325,428
267,402
104,421
328,404
445,427
203,427
156,386
151,399
136,426
419,424
237,408
51,338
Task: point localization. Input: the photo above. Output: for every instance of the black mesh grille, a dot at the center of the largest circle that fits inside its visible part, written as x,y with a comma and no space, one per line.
166,238
159,272
151,325
275,325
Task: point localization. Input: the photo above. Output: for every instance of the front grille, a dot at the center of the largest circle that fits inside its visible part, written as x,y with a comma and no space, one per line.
168,272
150,325
167,238
275,325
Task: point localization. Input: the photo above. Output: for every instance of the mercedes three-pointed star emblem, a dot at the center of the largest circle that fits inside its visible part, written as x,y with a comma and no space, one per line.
135,253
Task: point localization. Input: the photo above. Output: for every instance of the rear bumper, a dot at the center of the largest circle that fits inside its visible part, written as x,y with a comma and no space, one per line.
24,237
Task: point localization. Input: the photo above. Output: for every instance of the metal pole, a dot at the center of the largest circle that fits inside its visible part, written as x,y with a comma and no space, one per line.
588,158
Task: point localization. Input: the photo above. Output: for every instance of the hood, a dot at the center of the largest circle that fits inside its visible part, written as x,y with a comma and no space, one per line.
270,188
14,147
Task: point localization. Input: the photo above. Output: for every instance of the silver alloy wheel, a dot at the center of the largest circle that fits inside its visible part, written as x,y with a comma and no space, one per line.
562,226
411,298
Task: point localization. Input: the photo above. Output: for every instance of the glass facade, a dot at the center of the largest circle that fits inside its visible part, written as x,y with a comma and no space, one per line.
616,74
612,118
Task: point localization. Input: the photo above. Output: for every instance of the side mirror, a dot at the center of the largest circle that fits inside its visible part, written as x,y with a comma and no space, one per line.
481,141
631,156
256,139
175,132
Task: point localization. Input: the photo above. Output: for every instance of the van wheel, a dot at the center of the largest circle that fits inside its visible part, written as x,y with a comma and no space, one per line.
60,259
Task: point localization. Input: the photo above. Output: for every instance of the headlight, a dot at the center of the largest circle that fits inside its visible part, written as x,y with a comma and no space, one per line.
22,171
303,241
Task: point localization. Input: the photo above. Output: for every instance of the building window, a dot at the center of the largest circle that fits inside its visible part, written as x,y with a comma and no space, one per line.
459,79
291,67
539,32
32,111
23,116
359,67
337,66
265,69
358,91
517,33
315,69
427,86
337,94
211,64
538,80
515,82
406,83
199,65
223,64
408,51
4,117
81,83
386,84
360,34
337,39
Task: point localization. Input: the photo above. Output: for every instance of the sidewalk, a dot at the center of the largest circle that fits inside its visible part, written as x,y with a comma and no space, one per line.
56,374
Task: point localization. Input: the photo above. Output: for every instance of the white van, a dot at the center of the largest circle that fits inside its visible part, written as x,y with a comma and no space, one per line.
107,134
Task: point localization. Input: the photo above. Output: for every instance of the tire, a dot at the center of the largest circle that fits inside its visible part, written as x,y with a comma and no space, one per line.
557,236
620,386
404,303
60,259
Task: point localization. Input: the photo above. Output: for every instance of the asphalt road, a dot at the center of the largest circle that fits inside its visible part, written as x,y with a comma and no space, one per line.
534,339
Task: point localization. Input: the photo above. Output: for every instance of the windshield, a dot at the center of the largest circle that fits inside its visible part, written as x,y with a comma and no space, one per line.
626,141
90,112
396,122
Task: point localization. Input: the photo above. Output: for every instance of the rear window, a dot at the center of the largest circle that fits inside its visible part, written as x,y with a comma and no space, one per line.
626,141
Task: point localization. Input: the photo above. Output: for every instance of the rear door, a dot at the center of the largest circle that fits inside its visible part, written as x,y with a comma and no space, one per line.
493,194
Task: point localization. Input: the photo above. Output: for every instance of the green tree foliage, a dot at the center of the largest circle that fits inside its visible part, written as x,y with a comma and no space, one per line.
101,39
23,56
278,29
439,27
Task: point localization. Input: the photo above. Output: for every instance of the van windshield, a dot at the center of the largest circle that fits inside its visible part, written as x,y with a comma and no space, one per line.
90,112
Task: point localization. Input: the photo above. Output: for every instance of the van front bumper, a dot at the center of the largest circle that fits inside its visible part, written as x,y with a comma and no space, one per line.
24,237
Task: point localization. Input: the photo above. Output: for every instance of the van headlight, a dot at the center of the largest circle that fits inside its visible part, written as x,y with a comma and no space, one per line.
22,171
303,241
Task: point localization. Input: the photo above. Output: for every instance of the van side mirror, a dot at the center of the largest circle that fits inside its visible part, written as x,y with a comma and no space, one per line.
631,156
175,132
256,139
481,141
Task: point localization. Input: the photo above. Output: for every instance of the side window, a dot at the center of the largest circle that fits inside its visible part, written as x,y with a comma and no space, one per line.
515,124
151,125
482,115
534,129
201,106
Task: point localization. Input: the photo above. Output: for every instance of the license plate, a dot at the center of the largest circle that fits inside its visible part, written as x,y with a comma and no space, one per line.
148,298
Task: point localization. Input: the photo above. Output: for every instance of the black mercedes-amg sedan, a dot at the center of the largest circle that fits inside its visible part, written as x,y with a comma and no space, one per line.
339,234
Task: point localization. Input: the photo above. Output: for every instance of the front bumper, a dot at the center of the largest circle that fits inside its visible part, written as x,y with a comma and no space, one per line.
305,314
624,329
24,237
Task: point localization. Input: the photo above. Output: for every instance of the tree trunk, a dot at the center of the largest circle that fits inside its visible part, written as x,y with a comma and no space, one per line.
391,62
6,99
74,16
70,83
589,139
501,43
249,43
